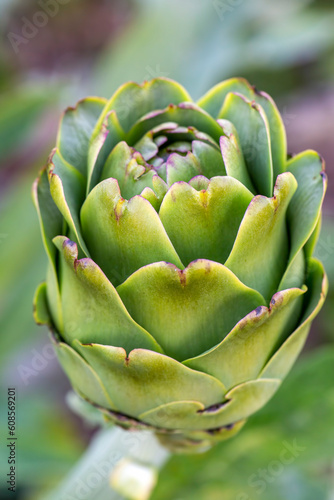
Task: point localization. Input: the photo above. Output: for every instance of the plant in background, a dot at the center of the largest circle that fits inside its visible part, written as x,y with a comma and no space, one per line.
181,284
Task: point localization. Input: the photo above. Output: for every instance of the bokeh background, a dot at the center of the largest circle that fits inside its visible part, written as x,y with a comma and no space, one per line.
80,47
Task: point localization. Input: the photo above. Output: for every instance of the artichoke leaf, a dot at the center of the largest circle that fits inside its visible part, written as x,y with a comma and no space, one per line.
252,125
40,306
232,155
295,273
132,100
142,380
184,134
83,378
311,243
240,403
305,207
210,159
75,130
186,114
119,233
187,311
243,353
67,188
182,168
282,361
213,102
213,436
147,147
199,182
260,251
160,187
92,308
129,169
51,223
100,146
150,196
278,139
218,211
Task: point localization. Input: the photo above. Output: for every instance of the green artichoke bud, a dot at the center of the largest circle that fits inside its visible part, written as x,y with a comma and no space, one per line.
181,284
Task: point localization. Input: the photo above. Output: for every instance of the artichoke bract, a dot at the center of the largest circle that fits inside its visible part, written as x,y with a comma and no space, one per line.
181,284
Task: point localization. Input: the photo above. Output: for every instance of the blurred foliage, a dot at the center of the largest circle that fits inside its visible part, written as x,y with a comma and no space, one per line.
73,33
20,249
47,443
21,110
279,46
286,48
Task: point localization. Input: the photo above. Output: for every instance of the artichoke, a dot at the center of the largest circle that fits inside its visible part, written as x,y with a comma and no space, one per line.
181,284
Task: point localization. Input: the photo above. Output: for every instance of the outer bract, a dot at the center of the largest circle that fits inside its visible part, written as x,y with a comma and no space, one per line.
181,284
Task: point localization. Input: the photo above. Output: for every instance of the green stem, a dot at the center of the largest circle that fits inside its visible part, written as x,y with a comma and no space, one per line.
129,460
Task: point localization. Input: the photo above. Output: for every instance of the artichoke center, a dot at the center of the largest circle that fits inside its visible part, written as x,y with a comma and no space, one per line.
172,152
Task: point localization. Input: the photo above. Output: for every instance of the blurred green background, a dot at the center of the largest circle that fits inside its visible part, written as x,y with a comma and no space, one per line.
82,47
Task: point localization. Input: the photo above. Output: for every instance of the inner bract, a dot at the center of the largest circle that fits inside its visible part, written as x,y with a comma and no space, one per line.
173,153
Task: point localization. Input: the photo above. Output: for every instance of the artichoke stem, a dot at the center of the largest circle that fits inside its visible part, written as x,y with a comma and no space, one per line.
118,465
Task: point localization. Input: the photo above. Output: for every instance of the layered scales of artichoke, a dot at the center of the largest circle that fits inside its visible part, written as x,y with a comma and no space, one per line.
198,223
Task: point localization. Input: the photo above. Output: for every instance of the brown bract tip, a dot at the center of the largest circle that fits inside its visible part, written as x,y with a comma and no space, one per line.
172,194
54,336
51,155
276,300
69,243
214,408
182,276
203,194
118,210
218,430
207,267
